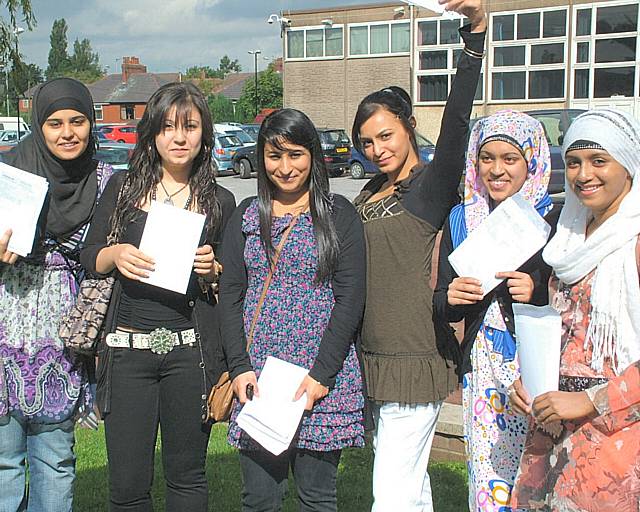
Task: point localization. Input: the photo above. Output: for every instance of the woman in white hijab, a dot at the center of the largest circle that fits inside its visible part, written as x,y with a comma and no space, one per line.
582,452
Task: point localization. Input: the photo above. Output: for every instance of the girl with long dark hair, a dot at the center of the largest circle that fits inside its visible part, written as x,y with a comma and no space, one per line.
407,373
43,386
309,314
162,352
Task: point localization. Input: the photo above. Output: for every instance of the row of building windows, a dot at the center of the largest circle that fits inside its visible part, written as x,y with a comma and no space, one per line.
388,38
529,53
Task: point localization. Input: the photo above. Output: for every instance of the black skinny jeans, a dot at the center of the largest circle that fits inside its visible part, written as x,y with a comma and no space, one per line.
265,479
150,389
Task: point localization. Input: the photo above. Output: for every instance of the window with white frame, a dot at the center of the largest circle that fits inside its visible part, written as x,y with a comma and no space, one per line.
315,43
99,113
379,38
438,48
528,55
605,55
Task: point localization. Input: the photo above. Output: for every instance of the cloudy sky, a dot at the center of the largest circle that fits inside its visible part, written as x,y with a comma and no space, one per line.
167,35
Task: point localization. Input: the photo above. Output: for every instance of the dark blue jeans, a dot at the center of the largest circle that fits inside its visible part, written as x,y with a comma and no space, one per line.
265,479
150,390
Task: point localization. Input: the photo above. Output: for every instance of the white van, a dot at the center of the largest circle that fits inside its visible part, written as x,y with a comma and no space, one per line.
11,123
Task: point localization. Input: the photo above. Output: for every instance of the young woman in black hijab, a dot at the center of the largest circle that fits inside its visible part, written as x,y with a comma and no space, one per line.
44,388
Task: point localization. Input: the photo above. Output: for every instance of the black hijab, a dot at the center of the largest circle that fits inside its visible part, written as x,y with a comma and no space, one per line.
72,183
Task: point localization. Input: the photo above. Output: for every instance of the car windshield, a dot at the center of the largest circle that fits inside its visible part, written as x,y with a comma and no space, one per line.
105,129
242,135
229,141
334,137
113,156
423,141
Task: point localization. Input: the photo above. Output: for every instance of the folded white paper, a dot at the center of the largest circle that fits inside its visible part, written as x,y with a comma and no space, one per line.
22,196
538,338
273,418
505,240
434,6
171,236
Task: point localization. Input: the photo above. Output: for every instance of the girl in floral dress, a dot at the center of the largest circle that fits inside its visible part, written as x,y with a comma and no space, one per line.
582,452
508,154
43,386
309,317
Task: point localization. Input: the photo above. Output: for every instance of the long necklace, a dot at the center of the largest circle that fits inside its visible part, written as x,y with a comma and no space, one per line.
168,199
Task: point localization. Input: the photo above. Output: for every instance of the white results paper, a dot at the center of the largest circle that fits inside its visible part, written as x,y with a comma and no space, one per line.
434,6
538,338
22,196
171,236
505,240
273,418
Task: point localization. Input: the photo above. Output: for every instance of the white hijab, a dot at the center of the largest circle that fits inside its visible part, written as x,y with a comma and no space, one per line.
614,328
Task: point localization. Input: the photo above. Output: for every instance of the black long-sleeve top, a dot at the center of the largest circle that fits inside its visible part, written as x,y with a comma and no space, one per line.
347,284
197,306
401,357
473,315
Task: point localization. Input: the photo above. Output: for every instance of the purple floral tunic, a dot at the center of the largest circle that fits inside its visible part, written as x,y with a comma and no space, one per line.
293,318
39,380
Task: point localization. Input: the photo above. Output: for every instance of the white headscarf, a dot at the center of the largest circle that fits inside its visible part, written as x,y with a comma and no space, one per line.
614,328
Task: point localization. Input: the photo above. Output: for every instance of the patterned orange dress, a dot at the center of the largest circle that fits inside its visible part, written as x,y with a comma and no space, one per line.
590,465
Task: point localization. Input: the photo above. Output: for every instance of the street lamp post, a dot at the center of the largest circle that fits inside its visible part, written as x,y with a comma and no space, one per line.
16,32
255,54
233,104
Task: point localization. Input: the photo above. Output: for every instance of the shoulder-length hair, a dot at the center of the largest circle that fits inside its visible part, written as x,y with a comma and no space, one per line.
395,100
145,167
294,127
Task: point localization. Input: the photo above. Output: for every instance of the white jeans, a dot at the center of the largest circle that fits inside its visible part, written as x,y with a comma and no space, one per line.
402,444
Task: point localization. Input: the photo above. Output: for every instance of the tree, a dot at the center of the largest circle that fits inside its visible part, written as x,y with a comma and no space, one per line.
15,9
202,72
23,77
229,66
221,108
269,93
84,64
59,63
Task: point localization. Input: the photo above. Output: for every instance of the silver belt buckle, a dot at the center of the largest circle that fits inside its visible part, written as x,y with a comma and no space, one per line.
161,340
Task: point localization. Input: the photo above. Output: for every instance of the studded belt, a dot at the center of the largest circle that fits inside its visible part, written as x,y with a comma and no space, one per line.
568,383
158,341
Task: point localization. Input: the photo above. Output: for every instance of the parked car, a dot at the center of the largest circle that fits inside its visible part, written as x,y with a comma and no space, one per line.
120,133
252,130
11,136
115,154
230,129
359,165
244,162
224,147
555,123
100,137
336,149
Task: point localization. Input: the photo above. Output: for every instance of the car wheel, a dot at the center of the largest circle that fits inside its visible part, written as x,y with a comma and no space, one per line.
236,167
357,171
245,168
121,141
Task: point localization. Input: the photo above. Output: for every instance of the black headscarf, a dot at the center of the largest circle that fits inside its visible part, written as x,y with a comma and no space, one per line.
72,183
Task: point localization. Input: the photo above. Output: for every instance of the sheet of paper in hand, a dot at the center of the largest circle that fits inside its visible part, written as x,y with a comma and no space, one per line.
171,236
22,196
538,333
505,240
435,6
273,418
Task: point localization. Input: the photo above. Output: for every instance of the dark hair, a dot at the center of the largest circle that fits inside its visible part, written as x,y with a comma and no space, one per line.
394,99
146,165
294,127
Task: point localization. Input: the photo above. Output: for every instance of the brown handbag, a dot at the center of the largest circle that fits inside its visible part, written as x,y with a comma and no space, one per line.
220,401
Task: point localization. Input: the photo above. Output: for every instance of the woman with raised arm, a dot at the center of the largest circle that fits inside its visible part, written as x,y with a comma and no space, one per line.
403,208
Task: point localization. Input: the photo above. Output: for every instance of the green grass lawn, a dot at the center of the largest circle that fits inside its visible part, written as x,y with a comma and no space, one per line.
448,480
